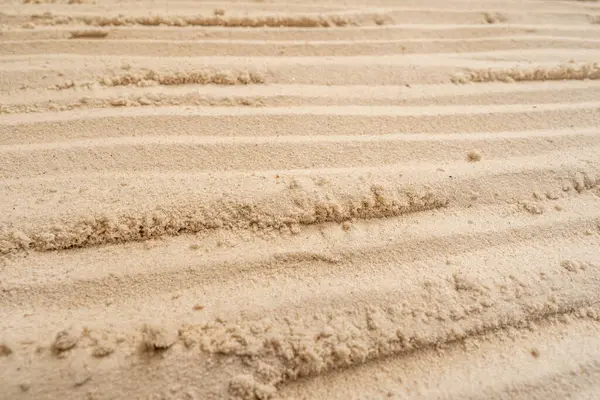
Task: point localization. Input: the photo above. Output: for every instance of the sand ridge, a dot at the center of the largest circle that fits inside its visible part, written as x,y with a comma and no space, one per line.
296,200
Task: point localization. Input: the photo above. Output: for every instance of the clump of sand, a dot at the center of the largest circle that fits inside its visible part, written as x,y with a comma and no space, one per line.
65,340
206,76
494,17
156,337
277,21
88,34
565,72
58,1
103,348
203,77
5,350
533,208
134,100
573,265
374,201
245,387
474,155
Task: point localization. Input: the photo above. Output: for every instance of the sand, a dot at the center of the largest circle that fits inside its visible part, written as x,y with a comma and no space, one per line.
299,200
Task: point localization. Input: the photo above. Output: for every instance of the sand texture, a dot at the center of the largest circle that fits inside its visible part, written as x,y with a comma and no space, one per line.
266,199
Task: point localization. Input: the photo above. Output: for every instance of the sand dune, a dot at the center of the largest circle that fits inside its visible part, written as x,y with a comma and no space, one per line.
298,200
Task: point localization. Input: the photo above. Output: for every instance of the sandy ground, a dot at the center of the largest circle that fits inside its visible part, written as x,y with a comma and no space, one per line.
299,200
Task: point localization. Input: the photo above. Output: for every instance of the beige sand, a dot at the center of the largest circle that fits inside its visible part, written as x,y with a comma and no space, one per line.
299,200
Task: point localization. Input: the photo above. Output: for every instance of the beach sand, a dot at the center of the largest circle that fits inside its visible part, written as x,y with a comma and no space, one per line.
299,200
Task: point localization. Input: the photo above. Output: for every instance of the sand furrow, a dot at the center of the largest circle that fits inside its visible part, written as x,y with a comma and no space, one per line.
536,92
496,59
240,153
220,258
99,42
364,16
386,70
280,201
387,32
309,111
69,128
280,20
297,341
532,370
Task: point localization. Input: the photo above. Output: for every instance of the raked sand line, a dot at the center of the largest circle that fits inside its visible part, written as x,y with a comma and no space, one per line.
297,341
414,69
284,152
260,204
96,230
99,42
522,373
207,263
274,20
195,97
348,33
204,76
299,95
50,130
579,72
368,16
310,111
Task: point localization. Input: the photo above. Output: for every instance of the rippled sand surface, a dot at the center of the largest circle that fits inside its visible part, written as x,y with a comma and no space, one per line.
299,200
